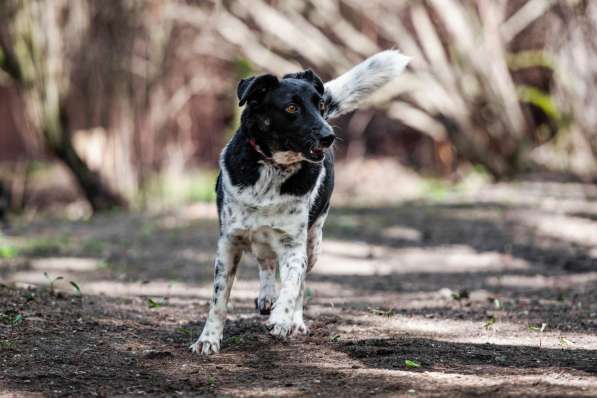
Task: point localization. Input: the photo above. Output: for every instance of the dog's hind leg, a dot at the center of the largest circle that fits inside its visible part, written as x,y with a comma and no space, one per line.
314,238
226,264
267,285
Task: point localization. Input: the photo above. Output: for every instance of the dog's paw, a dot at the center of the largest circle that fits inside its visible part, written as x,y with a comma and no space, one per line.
206,345
264,304
299,327
280,329
279,325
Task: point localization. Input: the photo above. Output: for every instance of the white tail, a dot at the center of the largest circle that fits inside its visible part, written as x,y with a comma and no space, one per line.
346,92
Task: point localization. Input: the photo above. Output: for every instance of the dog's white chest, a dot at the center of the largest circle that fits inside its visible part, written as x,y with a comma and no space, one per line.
262,219
270,225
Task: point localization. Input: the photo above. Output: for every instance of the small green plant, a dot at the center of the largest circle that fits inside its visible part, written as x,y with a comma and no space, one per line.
308,295
538,329
186,332
460,295
149,229
45,246
29,296
501,358
211,381
76,287
490,323
8,252
6,344
564,342
94,247
335,338
235,340
11,318
152,304
434,190
411,364
52,281
378,311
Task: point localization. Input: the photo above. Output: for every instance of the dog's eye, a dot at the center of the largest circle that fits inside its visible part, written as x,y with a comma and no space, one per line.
292,108
322,106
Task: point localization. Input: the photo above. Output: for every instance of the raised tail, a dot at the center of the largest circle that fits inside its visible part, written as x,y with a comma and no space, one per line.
348,91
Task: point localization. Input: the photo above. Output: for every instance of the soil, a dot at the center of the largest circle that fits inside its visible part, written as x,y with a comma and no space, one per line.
485,294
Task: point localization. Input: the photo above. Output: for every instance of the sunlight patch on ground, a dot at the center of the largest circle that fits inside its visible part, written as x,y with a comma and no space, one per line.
571,229
37,278
347,258
462,331
441,378
68,264
542,281
327,302
402,232
541,195
260,391
8,393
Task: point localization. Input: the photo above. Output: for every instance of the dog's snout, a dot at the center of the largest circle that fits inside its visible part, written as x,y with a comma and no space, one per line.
328,140
326,137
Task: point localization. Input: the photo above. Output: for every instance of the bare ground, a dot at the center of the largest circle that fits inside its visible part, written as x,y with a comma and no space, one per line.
492,294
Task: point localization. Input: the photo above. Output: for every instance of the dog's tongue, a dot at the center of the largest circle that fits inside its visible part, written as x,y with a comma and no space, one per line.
317,151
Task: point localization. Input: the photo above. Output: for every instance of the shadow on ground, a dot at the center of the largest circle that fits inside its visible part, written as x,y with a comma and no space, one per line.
461,288
73,346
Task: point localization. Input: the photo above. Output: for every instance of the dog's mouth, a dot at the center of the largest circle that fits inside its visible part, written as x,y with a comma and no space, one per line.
315,154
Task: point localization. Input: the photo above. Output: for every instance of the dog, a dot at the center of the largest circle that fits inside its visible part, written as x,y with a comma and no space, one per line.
275,184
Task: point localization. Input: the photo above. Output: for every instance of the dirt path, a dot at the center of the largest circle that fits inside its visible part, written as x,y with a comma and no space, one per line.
461,287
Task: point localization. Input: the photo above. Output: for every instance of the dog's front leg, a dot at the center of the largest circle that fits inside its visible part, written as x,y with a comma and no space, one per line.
226,263
298,324
267,285
293,266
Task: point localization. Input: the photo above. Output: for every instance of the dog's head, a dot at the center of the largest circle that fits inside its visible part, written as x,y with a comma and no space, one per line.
286,117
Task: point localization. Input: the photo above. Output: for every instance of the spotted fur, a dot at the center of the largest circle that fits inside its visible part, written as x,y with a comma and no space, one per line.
273,200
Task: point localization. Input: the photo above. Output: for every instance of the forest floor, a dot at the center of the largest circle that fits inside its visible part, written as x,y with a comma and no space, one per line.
491,293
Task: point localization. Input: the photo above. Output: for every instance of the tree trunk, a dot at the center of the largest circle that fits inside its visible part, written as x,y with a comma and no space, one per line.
99,195
38,74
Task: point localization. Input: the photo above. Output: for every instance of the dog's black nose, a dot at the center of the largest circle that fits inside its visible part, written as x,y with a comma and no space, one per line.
326,137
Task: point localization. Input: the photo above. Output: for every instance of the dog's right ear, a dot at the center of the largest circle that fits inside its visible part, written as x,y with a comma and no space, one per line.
255,88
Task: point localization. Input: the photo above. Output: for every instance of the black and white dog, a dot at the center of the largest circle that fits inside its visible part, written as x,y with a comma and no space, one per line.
274,188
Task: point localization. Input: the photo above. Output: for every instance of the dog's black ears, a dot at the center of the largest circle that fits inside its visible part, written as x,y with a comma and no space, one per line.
254,88
309,76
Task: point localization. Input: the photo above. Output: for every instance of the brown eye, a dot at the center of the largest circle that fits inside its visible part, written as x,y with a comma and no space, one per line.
291,108
322,106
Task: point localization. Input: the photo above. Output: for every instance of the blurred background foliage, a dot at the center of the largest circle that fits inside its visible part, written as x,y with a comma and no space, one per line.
128,103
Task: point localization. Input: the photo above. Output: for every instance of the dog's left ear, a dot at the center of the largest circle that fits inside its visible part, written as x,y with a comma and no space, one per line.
309,76
255,88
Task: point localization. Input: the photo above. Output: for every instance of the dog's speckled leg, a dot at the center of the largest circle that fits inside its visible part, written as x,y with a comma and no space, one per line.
298,324
293,266
226,264
267,286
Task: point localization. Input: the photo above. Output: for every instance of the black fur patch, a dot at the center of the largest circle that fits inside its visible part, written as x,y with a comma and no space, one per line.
322,202
242,161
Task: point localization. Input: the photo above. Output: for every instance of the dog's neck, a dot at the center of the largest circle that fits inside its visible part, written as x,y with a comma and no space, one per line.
243,164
